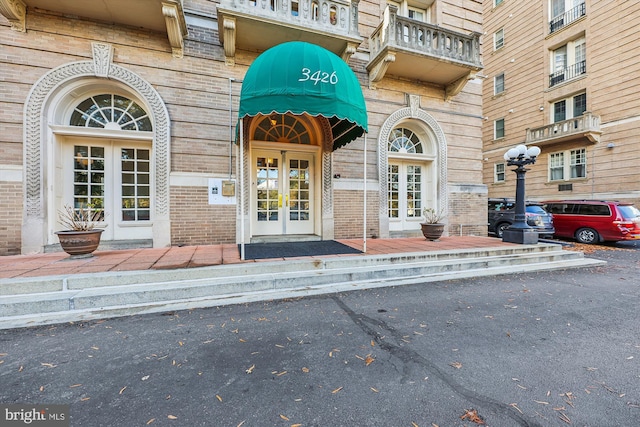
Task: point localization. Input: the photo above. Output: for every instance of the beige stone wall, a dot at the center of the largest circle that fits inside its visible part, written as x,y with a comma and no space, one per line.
612,64
198,97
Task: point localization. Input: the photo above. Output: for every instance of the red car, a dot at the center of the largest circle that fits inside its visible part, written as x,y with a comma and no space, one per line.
594,221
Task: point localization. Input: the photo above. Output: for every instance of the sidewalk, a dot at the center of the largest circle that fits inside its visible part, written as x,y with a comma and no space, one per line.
56,264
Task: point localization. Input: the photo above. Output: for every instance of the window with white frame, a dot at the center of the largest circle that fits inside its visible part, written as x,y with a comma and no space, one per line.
498,129
568,62
499,172
498,84
573,106
578,164
498,39
497,3
570,164
420,12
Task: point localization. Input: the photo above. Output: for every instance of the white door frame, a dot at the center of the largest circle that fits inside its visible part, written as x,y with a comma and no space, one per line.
313,153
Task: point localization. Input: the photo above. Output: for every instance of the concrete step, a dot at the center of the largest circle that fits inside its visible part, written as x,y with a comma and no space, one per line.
48,300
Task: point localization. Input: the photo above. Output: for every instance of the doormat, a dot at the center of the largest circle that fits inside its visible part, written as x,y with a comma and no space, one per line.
295,249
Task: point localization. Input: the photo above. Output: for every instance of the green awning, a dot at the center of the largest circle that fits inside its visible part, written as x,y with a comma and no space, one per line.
298,77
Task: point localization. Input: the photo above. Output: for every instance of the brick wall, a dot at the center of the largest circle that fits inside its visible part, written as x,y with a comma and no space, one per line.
195,222
348,213
11,218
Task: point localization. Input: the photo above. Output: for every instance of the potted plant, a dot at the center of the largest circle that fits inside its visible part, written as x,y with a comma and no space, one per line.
432,227
80,237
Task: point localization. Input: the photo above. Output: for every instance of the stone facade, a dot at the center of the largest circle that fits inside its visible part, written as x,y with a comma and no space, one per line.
192,94
547,58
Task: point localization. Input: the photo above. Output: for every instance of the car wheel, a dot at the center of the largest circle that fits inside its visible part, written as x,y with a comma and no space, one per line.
501,227
587,235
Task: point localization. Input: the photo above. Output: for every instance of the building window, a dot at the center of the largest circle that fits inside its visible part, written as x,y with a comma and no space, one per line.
569,108
498,39
111,111
499,172
498,84
402,140
497,3
413,12
578,164
498,129
568,62
564,12
556,166
571,163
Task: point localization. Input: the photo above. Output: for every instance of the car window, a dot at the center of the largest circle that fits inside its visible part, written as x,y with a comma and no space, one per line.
629,212
594,210
536,210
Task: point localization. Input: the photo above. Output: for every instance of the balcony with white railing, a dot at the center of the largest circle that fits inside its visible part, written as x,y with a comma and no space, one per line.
415,50
257,25
586,127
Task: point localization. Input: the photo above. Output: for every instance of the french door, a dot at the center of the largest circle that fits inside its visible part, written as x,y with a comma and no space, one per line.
111,175
282,192
408,182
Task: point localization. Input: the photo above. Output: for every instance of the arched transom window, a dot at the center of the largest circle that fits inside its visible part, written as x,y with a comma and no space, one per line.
282,128
403,140
110,111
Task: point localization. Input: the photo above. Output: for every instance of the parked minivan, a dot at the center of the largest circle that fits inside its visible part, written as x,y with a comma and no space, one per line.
594,221
502,213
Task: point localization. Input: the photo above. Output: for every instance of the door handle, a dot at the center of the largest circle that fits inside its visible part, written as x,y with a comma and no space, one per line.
279,200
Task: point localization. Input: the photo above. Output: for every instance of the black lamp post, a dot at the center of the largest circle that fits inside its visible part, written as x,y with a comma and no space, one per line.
520,231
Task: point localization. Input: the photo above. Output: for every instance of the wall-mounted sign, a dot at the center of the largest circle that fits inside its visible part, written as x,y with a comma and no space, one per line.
222,191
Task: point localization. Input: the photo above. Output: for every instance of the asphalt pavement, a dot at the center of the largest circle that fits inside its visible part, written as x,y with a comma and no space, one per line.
551,348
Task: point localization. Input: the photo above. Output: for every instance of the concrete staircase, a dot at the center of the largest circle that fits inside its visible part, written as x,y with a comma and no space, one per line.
57,299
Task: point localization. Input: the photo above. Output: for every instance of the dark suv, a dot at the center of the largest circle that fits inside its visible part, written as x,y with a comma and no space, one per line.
502,214
595,221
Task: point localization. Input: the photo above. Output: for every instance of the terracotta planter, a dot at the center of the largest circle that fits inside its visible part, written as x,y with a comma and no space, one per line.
79,242
432,231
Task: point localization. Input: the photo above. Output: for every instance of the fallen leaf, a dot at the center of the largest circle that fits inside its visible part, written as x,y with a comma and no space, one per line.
146,377
472,415
296,425
541,402
374,390
305,370
336,390
75,385
84,399
219,398
48,365
284,418
456,365
150,421
172,417
369,360
414,424
250,370
122,389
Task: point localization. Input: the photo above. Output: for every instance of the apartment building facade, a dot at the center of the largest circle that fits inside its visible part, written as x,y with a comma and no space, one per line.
200,122
561,75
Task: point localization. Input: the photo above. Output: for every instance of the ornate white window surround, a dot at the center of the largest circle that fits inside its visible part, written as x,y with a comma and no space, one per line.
36,140
420,117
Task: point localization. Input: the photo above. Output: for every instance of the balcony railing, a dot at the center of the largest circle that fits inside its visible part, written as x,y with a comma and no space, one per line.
587,125
407,33
568,73
327,15
259,24
567,18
